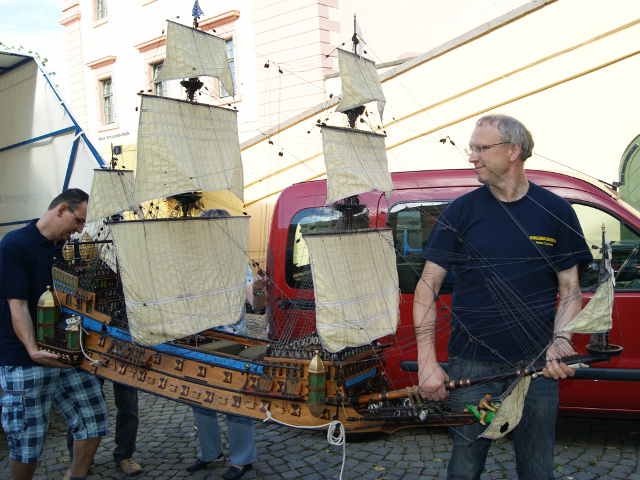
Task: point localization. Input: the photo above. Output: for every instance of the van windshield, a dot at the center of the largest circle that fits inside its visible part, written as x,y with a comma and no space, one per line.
314,220
412,223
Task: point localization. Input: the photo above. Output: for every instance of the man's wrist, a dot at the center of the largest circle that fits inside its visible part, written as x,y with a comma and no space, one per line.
427,355
563,335
428,364
32,348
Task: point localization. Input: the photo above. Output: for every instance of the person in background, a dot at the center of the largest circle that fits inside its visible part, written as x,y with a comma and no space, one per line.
126,399
258,290
242,443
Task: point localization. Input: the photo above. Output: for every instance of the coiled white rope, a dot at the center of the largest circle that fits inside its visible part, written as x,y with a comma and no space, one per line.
96,363
336,434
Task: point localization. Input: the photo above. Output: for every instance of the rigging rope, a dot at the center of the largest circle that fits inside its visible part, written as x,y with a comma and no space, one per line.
480,112
463,93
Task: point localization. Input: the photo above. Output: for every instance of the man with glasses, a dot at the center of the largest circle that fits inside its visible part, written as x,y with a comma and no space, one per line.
513,247
33,379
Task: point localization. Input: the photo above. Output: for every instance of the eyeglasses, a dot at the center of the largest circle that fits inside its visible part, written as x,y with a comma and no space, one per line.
482,148
79,220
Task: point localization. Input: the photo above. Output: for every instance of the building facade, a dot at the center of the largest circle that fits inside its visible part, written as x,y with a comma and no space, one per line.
115,48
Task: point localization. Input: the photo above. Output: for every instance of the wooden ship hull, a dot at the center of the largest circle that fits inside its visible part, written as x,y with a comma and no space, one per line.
250,377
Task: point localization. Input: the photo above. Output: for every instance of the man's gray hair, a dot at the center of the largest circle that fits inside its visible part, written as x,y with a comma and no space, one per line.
511,131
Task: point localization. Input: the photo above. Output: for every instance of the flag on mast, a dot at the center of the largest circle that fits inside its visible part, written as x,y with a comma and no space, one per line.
196,11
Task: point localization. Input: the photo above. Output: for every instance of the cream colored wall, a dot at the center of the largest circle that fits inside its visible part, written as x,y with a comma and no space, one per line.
260,224
410,27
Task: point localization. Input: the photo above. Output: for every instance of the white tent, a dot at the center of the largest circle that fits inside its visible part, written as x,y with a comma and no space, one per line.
43,150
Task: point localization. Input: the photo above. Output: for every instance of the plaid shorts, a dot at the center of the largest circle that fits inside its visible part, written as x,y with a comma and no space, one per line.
28,396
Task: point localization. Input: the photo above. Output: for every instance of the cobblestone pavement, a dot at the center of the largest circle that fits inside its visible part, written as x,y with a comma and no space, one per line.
586,449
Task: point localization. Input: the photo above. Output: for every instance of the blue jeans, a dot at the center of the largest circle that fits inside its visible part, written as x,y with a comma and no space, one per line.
533,438
242,443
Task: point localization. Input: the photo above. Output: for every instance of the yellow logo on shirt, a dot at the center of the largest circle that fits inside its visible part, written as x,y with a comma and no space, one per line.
540,240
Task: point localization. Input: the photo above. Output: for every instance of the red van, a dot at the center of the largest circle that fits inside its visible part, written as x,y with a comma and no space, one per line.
418,199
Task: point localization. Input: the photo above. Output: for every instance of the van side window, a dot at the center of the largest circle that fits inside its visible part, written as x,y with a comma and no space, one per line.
411,224
626,243
314,220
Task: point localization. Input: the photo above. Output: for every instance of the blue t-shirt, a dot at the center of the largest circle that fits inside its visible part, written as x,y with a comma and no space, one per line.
504,258
26,258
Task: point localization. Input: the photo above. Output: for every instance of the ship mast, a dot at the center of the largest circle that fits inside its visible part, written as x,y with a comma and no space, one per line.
353,266
190,200
194,84
350,206
354,113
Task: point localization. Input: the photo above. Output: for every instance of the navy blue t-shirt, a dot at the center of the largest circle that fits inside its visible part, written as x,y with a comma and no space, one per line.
504,257
26,258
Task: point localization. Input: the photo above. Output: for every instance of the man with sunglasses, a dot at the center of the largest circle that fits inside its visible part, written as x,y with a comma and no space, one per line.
514,248
33,379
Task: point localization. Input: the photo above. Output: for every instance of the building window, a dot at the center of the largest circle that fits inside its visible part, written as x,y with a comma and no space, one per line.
232,66
106,94
101,9
158,86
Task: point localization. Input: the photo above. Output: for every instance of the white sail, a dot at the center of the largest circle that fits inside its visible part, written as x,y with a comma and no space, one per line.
191,53
355,282
596,317
186,147
111,193
181,276
356,162
360,82
510,412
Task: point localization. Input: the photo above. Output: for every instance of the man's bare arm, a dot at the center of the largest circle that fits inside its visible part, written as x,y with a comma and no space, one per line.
570,303
23,326
430,374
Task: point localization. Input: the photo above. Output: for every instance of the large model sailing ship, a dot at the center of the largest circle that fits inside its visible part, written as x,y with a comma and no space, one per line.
150,293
